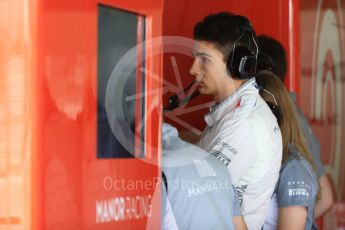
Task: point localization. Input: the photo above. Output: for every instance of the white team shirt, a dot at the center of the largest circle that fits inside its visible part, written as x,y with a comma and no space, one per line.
243,133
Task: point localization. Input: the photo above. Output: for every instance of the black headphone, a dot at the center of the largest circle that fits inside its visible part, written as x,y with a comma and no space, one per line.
276,111
242,61
275,108
265,62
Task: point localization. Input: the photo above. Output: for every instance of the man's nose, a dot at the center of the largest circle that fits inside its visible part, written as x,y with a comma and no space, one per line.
194,70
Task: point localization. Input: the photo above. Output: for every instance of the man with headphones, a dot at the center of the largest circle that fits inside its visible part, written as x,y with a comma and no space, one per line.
241,130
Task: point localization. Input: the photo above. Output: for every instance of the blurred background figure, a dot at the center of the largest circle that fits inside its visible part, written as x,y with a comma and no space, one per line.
293,201
272,57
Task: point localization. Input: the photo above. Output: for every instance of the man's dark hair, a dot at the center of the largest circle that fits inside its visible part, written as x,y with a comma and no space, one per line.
272,56
223,30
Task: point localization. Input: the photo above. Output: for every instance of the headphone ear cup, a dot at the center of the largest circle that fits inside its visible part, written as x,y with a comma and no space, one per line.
241,63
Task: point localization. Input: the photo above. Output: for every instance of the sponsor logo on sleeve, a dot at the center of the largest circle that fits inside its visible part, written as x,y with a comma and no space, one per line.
220,156
223,151
298,188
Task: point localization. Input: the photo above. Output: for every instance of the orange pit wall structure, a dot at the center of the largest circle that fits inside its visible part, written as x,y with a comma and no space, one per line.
51,173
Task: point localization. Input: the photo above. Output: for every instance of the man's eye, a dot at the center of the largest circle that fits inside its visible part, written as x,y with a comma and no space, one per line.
204,60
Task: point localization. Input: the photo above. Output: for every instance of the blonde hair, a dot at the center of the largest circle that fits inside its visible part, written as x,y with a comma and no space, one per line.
289,124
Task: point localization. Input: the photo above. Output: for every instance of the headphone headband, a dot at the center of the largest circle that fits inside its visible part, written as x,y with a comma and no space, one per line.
242,61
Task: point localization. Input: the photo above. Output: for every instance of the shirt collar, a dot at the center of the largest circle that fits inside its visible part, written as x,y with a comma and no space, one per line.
230,103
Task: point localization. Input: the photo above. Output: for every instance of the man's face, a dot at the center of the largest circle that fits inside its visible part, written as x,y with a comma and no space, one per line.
208,68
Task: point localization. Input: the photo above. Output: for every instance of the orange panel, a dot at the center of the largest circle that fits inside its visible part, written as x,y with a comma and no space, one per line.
77,187
17,102
50,176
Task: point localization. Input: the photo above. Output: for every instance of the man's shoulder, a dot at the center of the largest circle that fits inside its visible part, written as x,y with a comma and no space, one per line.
245,107
249,116
251,110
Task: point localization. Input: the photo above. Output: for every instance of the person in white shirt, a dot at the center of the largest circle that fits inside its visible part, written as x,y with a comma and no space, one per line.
241,130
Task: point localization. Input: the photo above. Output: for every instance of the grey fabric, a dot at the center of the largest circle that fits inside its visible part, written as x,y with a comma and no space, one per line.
236,206
199,187
312,141
297,185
